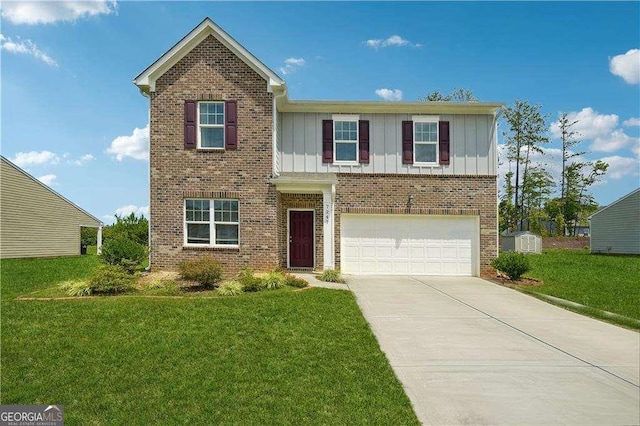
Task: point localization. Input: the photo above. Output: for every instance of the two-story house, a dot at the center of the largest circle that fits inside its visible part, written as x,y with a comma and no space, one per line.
239,170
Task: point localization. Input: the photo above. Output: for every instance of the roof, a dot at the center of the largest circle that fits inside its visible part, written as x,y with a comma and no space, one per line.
635,191
146,80
436,107
518,233
49,189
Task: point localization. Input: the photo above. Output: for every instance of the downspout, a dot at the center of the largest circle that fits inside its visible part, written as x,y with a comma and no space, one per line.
148,96
274,153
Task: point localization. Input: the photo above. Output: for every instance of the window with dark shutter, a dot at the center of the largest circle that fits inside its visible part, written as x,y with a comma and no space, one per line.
444,142
327,141
190,124
407,142
363,142
231,125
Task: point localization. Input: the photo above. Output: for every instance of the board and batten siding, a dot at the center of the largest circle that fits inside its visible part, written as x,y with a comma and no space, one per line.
616,228
34,220
473,145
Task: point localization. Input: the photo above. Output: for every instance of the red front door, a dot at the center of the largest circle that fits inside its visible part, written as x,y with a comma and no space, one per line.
300,239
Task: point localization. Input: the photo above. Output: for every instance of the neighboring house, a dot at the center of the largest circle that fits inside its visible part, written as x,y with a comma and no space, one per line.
616,227
240,171
36,221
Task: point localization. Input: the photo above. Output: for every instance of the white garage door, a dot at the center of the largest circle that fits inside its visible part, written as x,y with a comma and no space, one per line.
409,244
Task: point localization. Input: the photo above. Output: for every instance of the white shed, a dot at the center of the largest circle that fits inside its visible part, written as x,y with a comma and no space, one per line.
522,241
616,228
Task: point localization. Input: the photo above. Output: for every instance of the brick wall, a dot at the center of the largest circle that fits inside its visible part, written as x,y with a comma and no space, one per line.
211,72
439,195
300,201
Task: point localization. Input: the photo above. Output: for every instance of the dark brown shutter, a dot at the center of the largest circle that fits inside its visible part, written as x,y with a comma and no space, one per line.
327,141
407,142
363,140
444,142
231,125
190,124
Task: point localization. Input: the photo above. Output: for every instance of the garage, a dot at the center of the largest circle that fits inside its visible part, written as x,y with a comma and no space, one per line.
409,244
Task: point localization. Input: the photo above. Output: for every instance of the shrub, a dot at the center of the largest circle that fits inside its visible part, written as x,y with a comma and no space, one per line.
205,270
512,263
331,276
274,280
124,252
162,287
111,279
250,283
294,281
230,288
76,288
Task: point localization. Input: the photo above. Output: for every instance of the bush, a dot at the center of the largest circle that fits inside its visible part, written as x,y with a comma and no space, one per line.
162,287
512,263
250,283
294,281
331,276
110,279
123,252
230,288
274,280
205,270
76,288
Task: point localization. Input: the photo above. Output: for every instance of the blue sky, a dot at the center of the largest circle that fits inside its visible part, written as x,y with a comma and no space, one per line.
72,117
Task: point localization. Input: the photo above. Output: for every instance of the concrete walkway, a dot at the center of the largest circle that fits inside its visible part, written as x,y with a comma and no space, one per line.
472,352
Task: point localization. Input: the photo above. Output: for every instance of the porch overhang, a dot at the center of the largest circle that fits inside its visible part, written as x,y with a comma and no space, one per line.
305,183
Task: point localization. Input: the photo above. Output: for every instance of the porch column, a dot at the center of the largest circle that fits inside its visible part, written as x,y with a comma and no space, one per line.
99,240
328,227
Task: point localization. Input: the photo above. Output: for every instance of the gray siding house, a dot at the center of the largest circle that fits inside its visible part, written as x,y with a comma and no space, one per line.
616,228
36,221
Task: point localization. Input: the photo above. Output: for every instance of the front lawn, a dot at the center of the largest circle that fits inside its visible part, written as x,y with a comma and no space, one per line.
280,357
609,283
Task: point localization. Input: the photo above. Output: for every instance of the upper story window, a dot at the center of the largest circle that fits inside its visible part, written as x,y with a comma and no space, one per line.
211,125
425,139
345,138
204,229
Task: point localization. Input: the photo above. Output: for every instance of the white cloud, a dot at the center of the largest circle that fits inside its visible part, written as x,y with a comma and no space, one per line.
620,167
390,94
135,145
632,122
26,47
291,65
48,12
394,40
614,141
127,210
83,159
627,66
48,179
590,124
24,159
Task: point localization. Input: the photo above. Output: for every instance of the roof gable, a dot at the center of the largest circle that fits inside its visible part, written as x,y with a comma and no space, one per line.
634,192
146,80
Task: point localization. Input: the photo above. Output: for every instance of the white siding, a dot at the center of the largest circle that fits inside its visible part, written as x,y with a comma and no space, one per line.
35,221
616,228
473,150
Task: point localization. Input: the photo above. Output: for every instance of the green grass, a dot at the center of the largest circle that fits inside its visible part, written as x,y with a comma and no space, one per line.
280,357
601,282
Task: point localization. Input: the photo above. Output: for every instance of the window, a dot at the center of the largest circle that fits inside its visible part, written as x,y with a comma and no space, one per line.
203,228
211,125
425,141
345,137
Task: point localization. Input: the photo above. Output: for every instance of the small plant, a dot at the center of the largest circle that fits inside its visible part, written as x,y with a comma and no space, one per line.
76,288
122,251
230,288
110,279
274,280
331,276
250,283
163,287
512,263
205,270
294,281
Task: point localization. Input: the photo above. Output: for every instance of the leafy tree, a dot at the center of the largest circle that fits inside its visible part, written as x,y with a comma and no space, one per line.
506,210
539,187
132,227
578,203
89,236
459,94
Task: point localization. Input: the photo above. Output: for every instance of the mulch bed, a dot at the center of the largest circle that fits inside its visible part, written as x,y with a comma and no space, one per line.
523,282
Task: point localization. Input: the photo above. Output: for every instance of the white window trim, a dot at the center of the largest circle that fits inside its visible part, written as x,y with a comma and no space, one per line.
217,126
346,117
426,119
212,224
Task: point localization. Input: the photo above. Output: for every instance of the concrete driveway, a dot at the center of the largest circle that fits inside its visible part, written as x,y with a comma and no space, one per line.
472,352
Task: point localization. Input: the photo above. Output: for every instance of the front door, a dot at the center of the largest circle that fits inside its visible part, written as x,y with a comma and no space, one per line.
300,239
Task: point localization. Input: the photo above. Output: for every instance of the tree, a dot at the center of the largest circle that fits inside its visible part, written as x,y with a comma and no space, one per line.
131,227
459,94
569,140
506,211
540,185
578,203
526,132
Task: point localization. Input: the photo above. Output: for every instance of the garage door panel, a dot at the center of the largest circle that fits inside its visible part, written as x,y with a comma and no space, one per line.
409,244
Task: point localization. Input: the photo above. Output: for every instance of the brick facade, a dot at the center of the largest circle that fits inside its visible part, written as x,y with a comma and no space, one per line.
212,72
